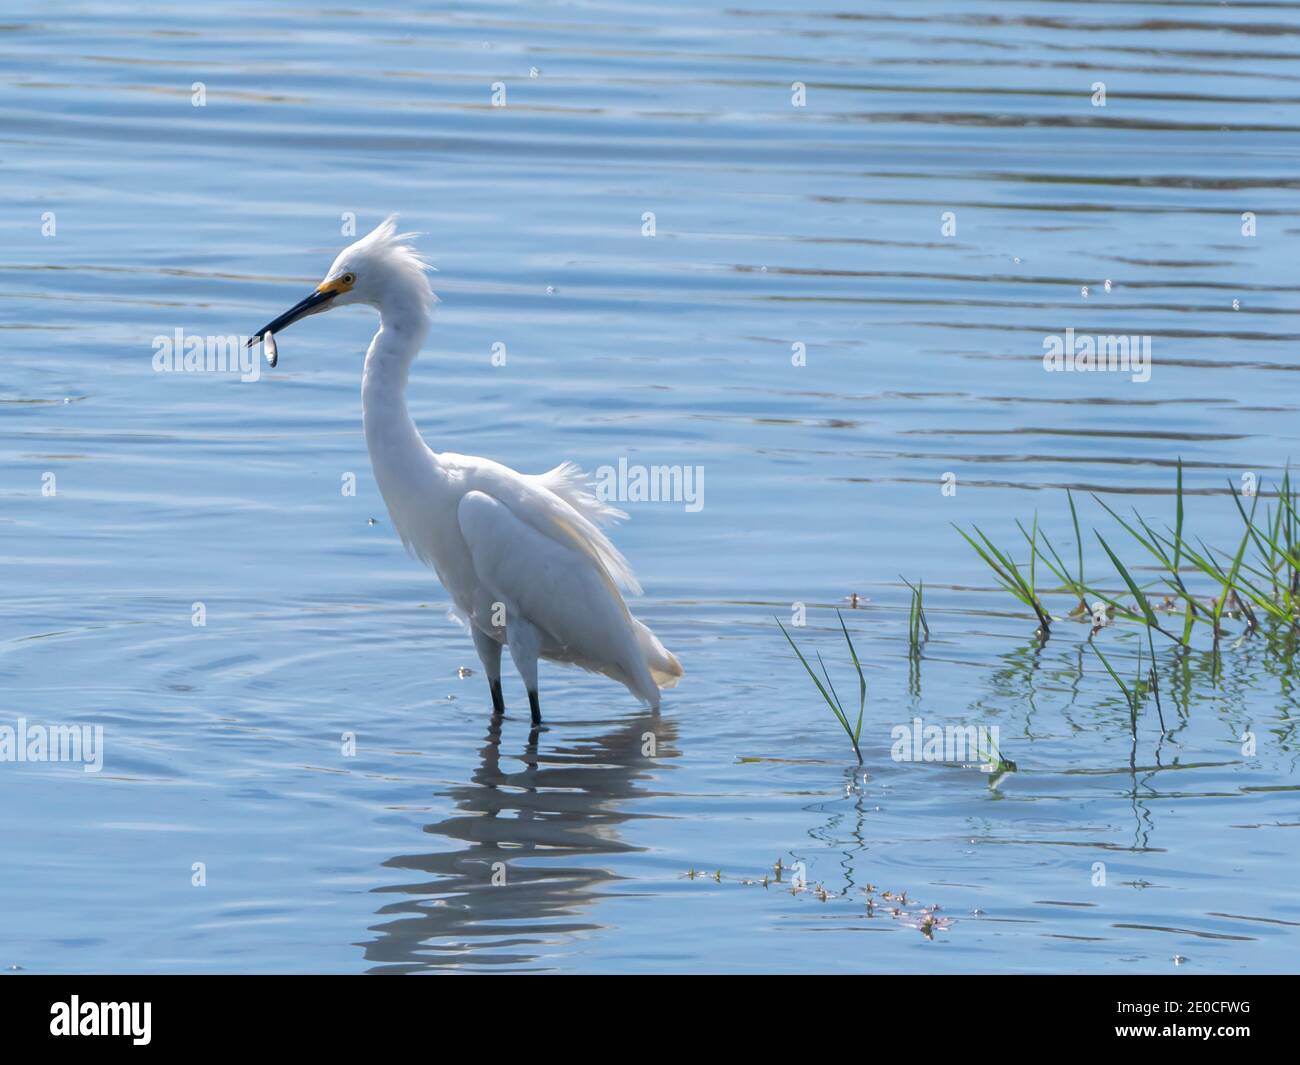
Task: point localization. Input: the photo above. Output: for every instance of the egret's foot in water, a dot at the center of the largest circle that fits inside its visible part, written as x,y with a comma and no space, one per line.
498,700
535,707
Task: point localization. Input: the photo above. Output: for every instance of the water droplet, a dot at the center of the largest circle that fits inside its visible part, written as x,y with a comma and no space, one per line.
533,72
371,521
1108,284
1084,290
550,290
1178,959
1236,305
464,672
1016,259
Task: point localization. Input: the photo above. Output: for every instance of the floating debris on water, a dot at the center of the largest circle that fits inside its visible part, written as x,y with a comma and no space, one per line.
752,759
928,923
925,919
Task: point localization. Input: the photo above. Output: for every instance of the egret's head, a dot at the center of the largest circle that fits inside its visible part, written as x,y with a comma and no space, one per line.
381,269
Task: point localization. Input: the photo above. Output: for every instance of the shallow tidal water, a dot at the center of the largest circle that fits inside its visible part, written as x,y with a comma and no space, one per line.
134,503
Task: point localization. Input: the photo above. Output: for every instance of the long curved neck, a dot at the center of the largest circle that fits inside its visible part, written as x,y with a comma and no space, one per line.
390,433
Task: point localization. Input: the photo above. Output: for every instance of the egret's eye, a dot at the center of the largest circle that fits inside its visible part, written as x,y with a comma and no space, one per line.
349,279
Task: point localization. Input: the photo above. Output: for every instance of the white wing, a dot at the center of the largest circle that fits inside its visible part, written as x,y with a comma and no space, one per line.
558,505
543,569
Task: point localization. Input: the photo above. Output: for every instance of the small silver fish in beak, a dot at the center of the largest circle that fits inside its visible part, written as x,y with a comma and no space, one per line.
315,303
269,349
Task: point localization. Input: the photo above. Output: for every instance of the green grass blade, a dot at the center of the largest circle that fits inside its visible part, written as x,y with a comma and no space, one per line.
1145,606
835,709
1128,697
862,680
1078,540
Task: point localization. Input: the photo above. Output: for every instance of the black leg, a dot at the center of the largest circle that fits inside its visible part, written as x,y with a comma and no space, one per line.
498,700
535,707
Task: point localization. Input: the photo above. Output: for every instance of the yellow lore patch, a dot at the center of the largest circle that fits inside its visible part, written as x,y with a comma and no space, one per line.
339,284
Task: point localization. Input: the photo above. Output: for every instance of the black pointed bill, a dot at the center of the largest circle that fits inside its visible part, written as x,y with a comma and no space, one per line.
313,304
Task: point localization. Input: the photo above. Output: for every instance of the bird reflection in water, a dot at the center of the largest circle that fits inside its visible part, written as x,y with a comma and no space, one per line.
546,821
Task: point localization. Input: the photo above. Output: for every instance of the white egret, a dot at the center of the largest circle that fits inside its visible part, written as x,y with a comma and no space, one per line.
522,556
